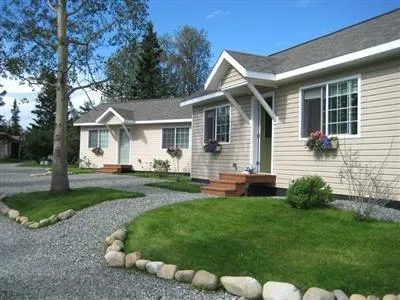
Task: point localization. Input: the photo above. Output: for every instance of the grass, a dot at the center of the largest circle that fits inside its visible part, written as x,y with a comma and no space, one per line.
41,205
267,240
74,168
10,160
173,182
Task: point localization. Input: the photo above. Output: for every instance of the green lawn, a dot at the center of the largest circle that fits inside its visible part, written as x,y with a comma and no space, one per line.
267,240
173,182
74,168
41,205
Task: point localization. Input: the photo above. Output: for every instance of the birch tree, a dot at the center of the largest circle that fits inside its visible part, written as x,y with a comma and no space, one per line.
71,38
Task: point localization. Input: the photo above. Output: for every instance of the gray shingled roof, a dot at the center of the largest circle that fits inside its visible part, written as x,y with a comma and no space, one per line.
141,110
369,33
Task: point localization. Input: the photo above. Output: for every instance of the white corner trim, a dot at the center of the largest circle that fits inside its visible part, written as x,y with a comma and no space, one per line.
382,48
218,71
164,121
87,124
201,98
110,110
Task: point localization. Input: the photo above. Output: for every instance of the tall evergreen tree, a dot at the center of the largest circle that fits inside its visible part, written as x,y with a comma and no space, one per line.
149,79
15,126
85,107
2,120
46,103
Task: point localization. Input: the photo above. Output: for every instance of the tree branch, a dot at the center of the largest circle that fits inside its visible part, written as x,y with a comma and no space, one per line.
76,10
89,85
51,6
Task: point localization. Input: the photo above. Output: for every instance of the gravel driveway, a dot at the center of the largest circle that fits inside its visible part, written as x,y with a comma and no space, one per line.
65,261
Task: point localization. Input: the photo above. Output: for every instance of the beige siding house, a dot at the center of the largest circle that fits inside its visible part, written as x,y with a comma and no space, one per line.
135,133
345,84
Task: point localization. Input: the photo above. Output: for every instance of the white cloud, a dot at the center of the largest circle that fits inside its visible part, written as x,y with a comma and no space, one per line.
17,91
213,14
302,3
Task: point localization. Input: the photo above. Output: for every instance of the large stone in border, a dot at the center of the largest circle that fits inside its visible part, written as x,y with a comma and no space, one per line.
65,214
22,219
115,259
205,280
274,290
340,295
53,220
372,297
141,264
244,286
3,196
185,275
13,214
167,271
34,225
389,297
131,258
44,222
109,240
357,297
119,234
318,294
154,266
117,245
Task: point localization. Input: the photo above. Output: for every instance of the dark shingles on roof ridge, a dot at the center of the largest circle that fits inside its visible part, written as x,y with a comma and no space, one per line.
334,32
368,33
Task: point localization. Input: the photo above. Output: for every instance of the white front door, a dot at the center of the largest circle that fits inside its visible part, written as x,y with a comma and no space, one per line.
123,147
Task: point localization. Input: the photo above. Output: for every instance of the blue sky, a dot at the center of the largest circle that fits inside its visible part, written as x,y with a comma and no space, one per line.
263,27
255,26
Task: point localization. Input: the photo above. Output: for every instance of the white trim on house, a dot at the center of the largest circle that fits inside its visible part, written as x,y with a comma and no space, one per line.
202,98
255,130
230,122
106,112
164,121
140,122
368,52
326,83
232,100
175,127
262,101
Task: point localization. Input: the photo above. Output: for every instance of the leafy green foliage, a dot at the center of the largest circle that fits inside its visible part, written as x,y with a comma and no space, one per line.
161,167
38,144
308,191
264,239
40,205
15,126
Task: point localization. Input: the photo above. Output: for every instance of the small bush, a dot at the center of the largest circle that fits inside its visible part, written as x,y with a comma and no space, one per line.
308,191
161,167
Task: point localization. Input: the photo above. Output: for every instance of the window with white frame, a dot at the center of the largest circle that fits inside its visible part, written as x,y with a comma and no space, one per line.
331,107
98,138
216,124
175,138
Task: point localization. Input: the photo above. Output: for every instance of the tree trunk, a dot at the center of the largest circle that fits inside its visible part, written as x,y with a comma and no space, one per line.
59,177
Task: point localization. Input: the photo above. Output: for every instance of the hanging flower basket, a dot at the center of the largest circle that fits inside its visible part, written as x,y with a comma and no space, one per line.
174,152
319,142
212,147
98,151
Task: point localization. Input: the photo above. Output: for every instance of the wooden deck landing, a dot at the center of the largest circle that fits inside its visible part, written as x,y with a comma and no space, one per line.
115,168
236,183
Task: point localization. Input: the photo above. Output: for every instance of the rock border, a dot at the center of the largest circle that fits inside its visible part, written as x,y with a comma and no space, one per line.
16,216
242,286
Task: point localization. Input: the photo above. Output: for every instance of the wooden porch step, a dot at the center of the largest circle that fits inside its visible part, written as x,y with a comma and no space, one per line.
264,178
114,168
218,191
227,184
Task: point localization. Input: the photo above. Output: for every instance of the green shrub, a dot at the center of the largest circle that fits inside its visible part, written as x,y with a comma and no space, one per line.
161,167
308,191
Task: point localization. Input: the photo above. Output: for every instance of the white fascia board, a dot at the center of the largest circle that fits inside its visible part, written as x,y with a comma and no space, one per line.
260,75
164,121
201,98
87,124
218,71
110,110
382,48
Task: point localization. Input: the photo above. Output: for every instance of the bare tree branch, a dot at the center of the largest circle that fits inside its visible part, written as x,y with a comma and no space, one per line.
89,85
51,6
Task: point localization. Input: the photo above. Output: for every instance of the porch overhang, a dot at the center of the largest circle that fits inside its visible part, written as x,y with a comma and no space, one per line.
109,112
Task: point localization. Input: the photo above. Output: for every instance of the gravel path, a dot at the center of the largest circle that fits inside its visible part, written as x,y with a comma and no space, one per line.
65,261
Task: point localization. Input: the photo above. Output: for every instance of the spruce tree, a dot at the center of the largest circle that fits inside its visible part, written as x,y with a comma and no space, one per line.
2,120
46,103
149,79
15,126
